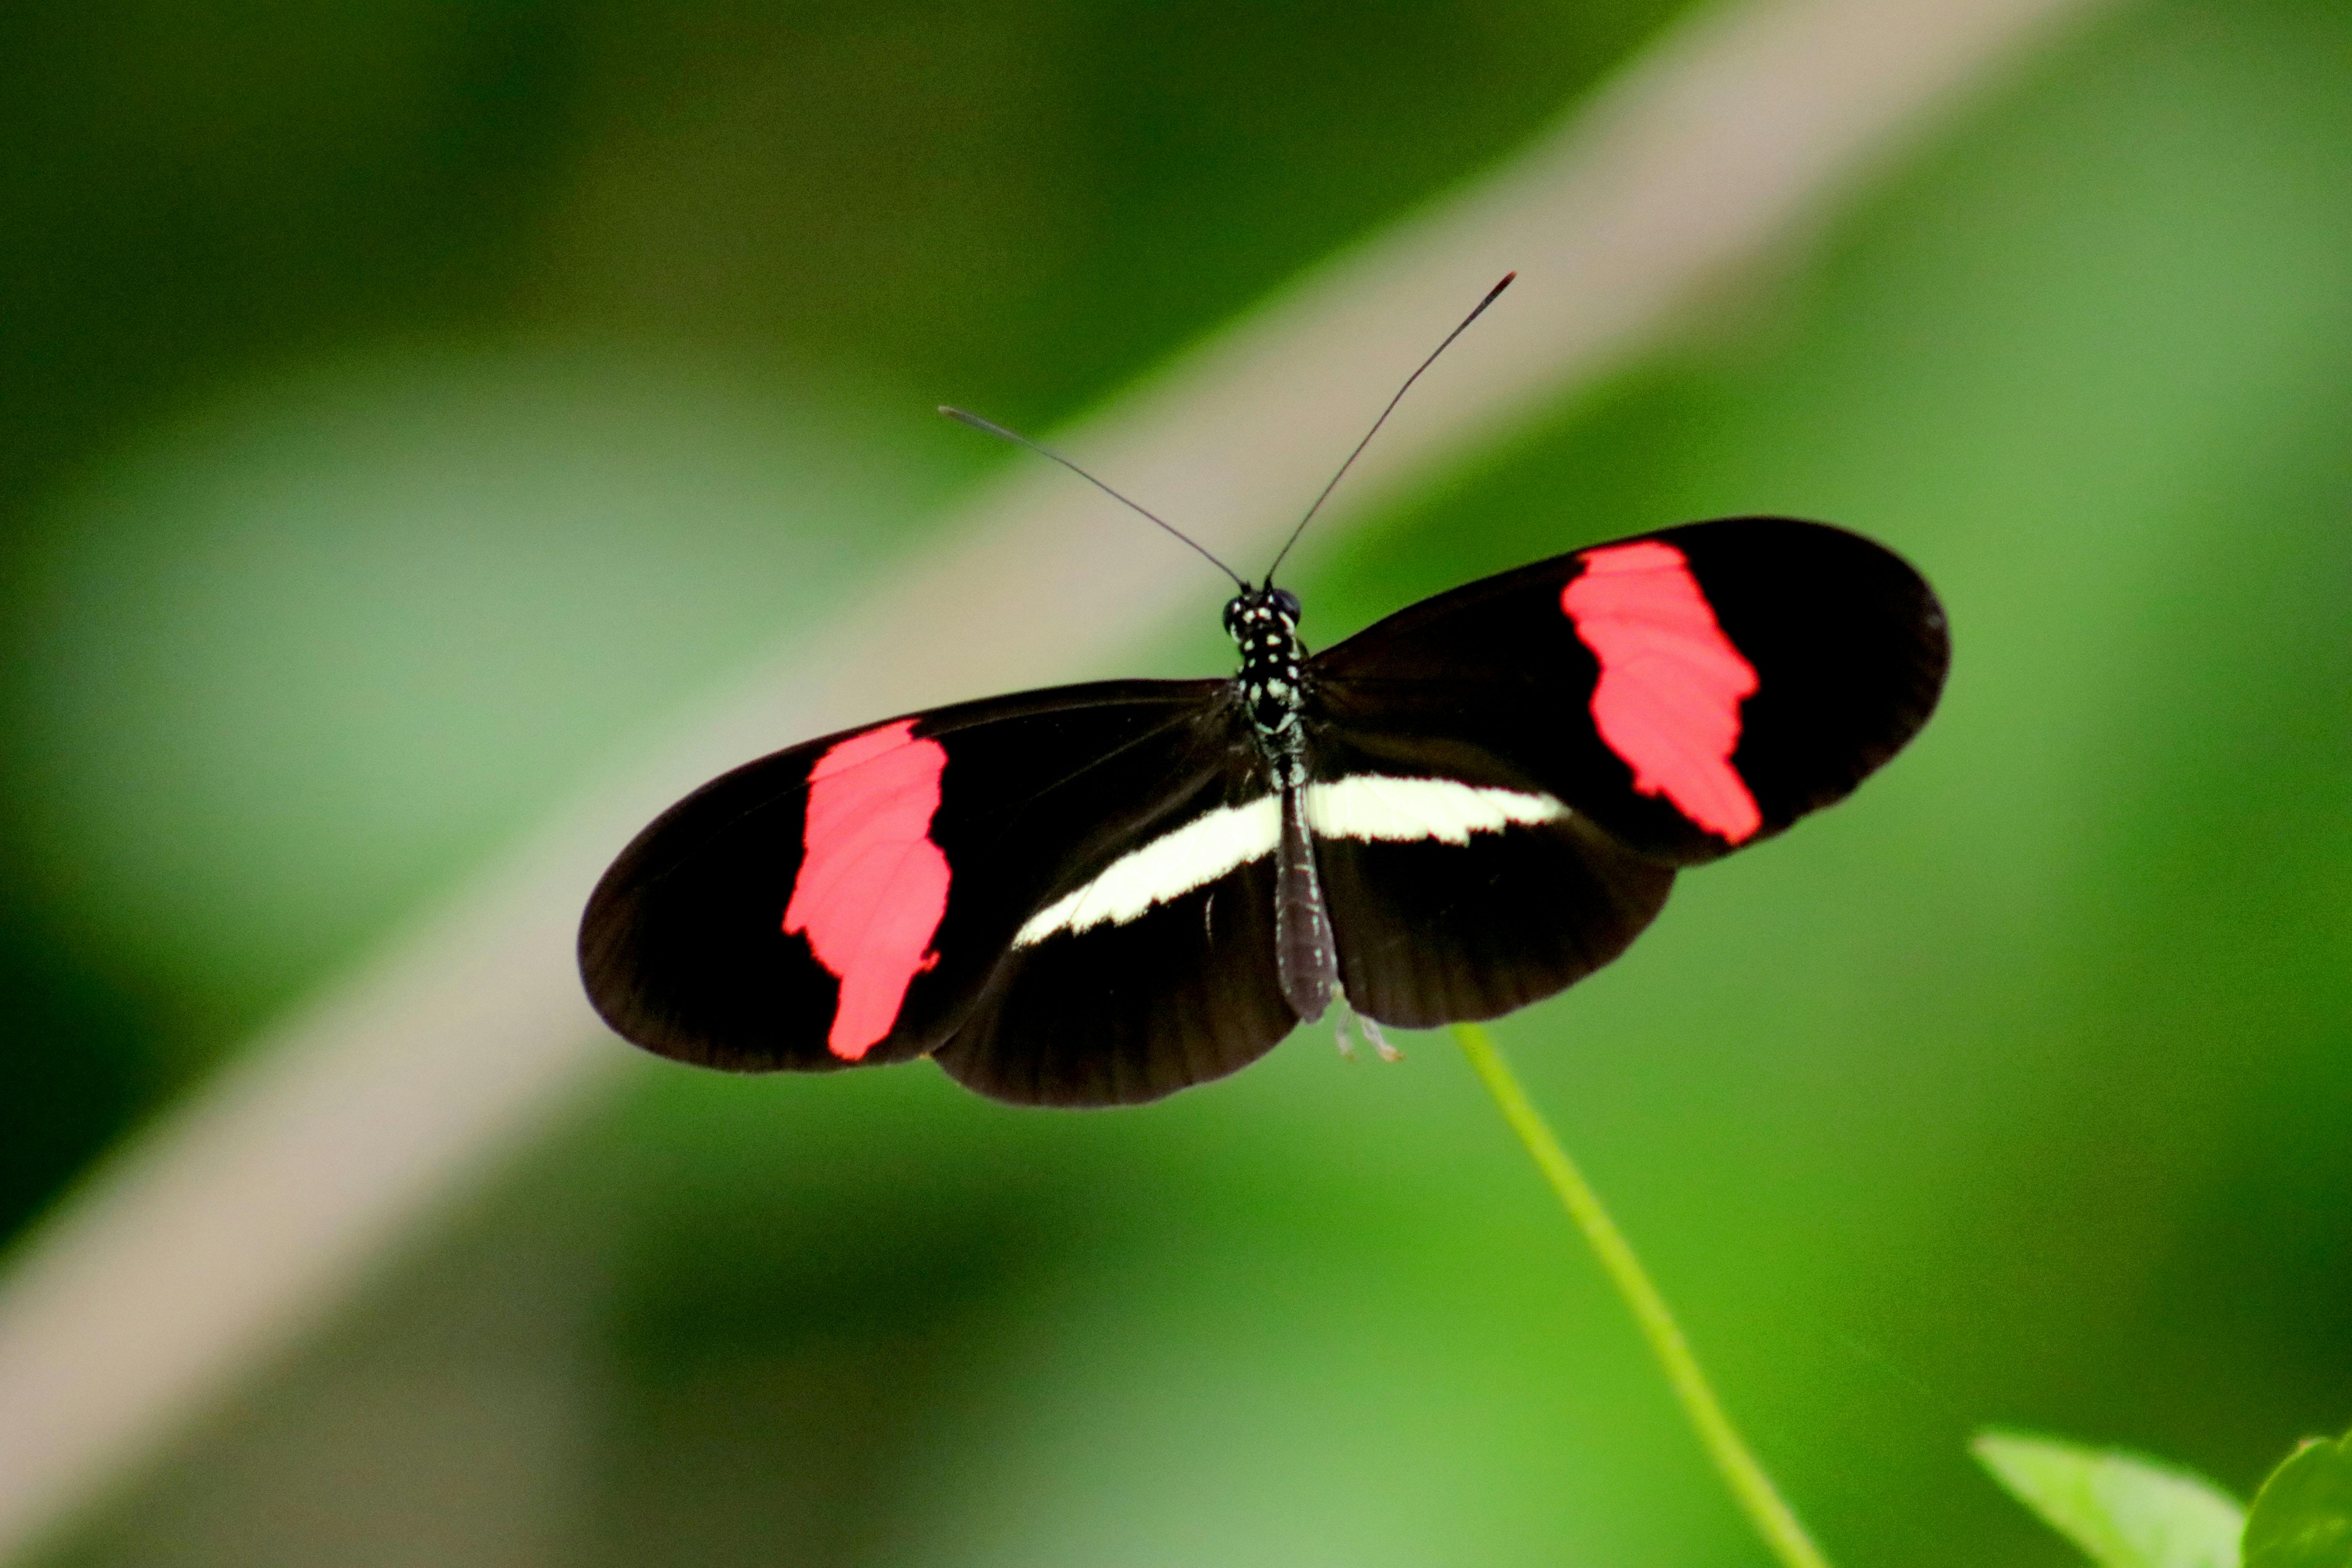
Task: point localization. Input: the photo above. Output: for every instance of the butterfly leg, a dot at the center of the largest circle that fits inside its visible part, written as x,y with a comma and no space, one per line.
1346,1034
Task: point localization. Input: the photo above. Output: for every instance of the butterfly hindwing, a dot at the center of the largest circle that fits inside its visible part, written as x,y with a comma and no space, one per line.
1458,887
847,901
1184,991
1689,690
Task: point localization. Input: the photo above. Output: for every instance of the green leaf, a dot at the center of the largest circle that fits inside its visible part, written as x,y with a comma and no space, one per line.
2302,1516
2123,1510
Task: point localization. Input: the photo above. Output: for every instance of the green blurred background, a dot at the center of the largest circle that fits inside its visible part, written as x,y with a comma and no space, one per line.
409,402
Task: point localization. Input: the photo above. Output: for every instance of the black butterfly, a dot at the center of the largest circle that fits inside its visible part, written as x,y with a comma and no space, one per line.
1100,894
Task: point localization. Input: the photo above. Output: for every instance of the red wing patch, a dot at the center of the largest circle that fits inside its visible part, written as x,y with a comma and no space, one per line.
1667,702
873,888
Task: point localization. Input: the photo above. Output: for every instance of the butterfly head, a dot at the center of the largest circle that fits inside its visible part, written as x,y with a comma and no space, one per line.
1254,615
1264,623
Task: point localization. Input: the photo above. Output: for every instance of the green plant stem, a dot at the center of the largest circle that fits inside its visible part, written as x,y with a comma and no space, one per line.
1751,1486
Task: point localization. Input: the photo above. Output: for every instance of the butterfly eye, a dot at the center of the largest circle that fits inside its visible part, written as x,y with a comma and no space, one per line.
1287,603
1233,618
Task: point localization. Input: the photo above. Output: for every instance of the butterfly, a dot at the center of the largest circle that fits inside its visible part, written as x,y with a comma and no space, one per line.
1100,894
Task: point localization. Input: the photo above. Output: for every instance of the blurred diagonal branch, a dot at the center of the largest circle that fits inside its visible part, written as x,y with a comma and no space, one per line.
235,1222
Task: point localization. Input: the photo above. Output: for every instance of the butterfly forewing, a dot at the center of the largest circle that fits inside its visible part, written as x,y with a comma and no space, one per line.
1848,642
1690,690
847,900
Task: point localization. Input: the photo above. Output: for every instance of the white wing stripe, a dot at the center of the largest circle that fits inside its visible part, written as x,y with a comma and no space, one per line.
1399,810
1171,866
1367,806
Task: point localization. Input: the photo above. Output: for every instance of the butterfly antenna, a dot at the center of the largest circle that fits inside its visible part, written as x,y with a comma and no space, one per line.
1492,294
977,423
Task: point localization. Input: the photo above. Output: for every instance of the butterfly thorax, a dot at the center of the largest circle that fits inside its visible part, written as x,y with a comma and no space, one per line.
1272,682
